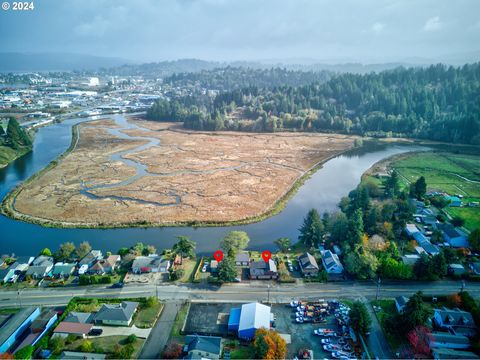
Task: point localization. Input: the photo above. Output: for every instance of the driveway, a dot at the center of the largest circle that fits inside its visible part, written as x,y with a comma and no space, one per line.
160,332
123,330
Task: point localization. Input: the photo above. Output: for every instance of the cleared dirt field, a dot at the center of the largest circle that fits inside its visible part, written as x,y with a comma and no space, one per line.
157,174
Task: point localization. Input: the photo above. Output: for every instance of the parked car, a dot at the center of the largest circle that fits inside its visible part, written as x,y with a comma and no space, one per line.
95,332
117,285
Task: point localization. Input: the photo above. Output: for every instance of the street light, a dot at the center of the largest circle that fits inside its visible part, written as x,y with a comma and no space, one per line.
379,281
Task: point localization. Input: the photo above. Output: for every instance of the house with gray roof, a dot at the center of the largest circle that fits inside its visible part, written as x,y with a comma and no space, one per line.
455,321
242,259
400,302
116,314
91,257
308,265
203,347
63,270
447,340
79,317
150,264
263,270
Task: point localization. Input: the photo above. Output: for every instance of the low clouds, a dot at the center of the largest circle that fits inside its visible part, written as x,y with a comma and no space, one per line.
433,24
322,30
378,27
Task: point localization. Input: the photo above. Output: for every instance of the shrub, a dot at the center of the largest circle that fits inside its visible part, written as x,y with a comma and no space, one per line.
24,353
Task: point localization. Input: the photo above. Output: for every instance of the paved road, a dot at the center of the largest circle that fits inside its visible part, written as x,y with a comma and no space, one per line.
159,335
255,291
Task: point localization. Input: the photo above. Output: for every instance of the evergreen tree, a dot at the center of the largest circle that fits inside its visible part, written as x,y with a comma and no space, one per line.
312,229
16,135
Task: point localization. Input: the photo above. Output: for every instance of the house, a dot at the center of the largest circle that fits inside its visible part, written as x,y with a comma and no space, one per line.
475,268
447,354
104,266
454,201
75,355
91,257
203,347
40,267
263,270
455,320
150,264
72,328
331,262
16,326
308,265
214,266
454,236
42,260
253,316
456,269
429,248
410,259
39,327
447,340
242,259
411,229
400,302
62,270
79,317
419,237
116,314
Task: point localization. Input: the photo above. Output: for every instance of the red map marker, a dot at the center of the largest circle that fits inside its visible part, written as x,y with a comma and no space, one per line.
218,255
266,255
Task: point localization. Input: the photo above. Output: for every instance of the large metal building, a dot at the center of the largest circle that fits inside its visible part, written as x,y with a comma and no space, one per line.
253,316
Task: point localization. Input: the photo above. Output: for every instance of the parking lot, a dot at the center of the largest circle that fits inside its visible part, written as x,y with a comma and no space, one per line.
208,319
301,334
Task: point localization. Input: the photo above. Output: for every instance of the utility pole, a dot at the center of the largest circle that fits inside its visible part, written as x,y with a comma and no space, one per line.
463,286
379,281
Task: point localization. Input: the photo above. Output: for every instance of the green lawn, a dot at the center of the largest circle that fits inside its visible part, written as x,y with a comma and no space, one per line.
107,344
242,352
388,309
188,266
471,215
178,324
448,172
146,316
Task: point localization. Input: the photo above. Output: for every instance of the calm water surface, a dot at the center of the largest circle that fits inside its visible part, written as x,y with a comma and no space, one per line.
322,191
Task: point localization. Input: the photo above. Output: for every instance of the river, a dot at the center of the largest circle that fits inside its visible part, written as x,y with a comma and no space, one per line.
322,191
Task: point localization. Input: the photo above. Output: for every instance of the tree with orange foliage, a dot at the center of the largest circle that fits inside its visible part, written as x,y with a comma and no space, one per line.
269,345
454,300
6,355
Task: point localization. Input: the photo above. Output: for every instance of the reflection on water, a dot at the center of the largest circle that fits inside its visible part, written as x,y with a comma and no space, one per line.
322,191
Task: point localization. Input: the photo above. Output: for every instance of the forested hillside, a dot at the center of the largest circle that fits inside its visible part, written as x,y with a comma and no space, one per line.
231,78
14,142
438,102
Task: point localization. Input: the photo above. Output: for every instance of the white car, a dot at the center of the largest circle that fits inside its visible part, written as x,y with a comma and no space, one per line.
299,320
318,332
293,303
301,308
325,341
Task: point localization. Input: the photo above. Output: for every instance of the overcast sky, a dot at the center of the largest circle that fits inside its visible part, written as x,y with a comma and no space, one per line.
330,31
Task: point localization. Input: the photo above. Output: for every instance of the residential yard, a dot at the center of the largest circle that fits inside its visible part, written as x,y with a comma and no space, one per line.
188,267
175,333
388,309
146,316
471,215
107,345
448,172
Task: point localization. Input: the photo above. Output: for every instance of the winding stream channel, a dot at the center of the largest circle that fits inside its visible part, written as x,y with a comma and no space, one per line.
322,191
